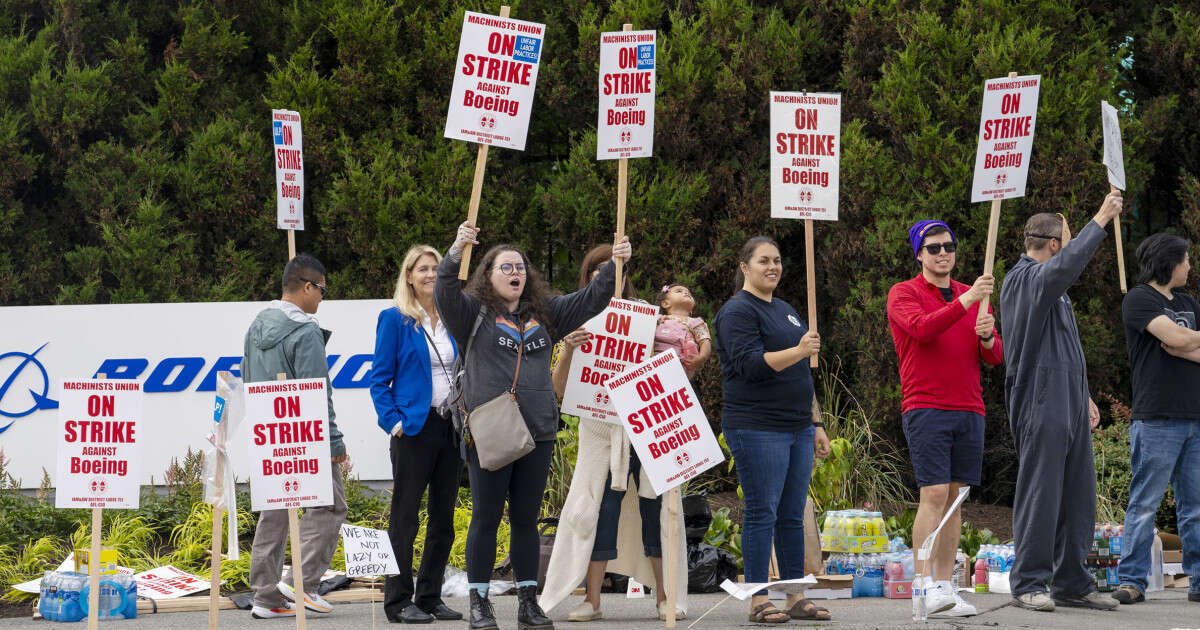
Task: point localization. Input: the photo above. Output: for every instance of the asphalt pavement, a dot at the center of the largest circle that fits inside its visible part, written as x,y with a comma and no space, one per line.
1164,610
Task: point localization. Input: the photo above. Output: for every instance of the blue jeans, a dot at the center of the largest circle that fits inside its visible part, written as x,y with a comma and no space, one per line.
774,469
605,547
1163,450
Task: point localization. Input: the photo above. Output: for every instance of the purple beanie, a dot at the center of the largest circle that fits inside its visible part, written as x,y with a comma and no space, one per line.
916,233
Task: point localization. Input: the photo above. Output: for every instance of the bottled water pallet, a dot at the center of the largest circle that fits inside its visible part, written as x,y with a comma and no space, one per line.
196,603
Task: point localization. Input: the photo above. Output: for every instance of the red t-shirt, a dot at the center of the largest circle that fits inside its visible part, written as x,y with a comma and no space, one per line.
938,349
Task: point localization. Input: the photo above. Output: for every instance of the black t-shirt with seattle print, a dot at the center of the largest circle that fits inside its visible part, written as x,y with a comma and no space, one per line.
1164,386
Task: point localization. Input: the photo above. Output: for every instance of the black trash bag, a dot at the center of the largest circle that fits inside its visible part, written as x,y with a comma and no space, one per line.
708,567
696,517
335,583
244,601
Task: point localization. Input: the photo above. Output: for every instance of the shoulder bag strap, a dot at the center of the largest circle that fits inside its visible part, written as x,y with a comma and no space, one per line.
520,350
441,363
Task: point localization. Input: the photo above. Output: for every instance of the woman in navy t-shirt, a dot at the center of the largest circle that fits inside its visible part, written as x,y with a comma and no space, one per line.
770,421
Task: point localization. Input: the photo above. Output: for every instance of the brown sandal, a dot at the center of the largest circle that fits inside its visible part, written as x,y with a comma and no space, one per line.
761,613
805,609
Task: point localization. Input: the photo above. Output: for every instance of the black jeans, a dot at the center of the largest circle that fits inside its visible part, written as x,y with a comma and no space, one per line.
523,483
428,459
607,522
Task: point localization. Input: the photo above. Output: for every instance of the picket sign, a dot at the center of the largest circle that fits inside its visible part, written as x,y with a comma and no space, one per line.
288,154
492,92
619,337
998,162
625,116
668,430
806,141
368,553
1115,161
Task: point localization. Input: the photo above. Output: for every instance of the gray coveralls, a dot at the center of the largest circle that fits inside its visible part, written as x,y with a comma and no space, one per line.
1046,393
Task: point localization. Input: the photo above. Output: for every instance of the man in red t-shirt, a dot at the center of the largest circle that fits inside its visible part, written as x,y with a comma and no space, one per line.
939,343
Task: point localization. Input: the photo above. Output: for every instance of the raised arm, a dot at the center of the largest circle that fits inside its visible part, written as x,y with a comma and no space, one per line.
574,309
1062,270
457,309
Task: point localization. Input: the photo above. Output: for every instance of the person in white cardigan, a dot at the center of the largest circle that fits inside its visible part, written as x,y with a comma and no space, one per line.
603,464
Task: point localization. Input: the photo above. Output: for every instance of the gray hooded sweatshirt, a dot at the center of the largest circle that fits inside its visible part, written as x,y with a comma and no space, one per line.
277,343
493,355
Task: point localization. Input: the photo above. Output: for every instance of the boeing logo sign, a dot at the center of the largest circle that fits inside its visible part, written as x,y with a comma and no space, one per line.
175,351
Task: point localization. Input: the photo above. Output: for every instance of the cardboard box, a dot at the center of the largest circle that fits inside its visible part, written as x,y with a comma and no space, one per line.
108,561
1172,556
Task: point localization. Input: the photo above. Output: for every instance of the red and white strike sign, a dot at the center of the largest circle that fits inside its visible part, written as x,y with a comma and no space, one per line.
1005,137
498,60
289,169
625,122
288,426
665,423
99,459
806,149
620,337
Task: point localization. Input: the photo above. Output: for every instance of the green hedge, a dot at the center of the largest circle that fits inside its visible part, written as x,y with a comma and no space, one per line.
135,149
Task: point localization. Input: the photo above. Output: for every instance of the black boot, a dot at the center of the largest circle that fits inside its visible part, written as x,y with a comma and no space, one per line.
529,614
483,616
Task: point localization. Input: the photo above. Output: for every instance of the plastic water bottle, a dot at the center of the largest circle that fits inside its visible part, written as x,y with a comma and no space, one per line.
920,607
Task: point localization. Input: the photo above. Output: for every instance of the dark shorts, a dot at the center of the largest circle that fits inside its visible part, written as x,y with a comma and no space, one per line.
945,446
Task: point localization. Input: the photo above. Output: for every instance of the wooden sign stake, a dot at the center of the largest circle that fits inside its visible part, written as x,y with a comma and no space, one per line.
291,244
669,557
622,191
214,593
989,259
297,567
1120,246
94,563
812,283
476,191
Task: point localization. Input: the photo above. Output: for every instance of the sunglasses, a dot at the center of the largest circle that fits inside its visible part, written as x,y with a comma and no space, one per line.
319,286
510,269
1046,236
936,248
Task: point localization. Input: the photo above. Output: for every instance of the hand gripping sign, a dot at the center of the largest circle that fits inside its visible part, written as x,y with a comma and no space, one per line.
625,120
665,423
289,169
619,338
99,460
287,423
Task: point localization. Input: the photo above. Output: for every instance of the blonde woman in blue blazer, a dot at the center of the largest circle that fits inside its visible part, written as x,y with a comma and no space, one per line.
410,382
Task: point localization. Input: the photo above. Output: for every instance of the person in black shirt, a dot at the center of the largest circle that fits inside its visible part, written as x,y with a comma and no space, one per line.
1164,433
770,421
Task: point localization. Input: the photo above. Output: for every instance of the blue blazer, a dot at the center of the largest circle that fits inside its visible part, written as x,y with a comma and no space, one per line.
401,378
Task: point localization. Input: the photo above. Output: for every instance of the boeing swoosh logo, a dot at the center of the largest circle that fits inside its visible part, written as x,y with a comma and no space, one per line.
39,400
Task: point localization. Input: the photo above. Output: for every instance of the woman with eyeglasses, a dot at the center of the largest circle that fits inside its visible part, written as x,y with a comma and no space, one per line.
411,378
514,316
770,421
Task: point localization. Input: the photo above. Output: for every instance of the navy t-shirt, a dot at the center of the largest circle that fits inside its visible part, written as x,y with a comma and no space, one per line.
755,395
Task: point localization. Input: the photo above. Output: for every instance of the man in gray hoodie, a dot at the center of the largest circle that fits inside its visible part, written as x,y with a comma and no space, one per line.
286,339
1051,414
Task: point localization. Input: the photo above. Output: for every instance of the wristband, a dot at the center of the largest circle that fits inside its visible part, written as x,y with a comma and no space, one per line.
987,338
818,425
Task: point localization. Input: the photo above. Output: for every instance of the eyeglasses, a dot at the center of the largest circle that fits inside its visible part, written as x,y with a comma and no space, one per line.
1046,236
936,248
510,269
319,286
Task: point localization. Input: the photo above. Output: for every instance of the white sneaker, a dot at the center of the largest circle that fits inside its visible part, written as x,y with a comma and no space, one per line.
584,612
961,609
939,597
288,610
312,601
662,611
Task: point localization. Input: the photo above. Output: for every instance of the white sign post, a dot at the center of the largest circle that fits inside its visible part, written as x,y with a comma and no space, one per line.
806,149
368,554
625,118
1115,161
620,337
288,426
99,462
492,95
669,432
1006,126
289,173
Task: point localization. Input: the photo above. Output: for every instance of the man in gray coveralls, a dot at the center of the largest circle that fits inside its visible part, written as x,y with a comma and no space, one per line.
1051,414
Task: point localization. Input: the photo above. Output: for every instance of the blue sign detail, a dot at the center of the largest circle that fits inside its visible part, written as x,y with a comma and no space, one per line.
645,56
40,401
219,409
527,49
277,129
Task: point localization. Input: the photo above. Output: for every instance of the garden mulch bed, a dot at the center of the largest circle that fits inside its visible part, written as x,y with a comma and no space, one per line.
15,609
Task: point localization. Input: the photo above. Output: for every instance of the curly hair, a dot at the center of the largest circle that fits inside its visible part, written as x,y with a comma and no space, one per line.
534,296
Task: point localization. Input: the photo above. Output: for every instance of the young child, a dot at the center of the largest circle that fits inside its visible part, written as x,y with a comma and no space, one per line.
679,330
